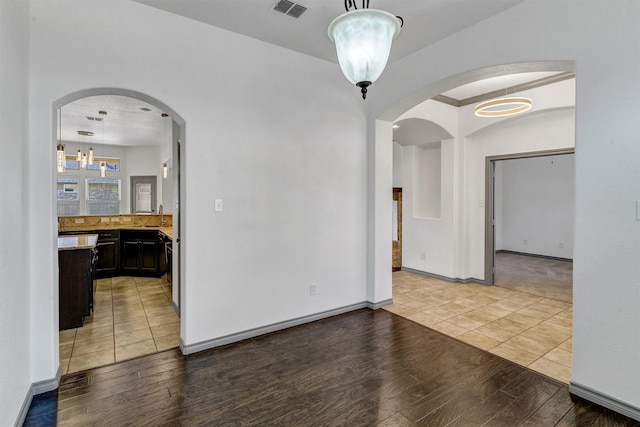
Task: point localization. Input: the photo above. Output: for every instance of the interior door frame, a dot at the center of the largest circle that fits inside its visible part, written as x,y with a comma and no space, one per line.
489,210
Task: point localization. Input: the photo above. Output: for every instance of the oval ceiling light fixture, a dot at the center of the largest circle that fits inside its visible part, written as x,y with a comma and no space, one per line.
502,107
363,42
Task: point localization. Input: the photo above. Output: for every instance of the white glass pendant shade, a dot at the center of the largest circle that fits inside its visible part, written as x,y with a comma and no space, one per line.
103,169
83,164
363,42
90,160
61,158
165,170
79,155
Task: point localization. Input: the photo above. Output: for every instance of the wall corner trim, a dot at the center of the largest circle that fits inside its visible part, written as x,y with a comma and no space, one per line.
34,389
377,305
604,400
250,333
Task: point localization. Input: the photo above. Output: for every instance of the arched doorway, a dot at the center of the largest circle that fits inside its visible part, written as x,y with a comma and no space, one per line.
464,259
130,134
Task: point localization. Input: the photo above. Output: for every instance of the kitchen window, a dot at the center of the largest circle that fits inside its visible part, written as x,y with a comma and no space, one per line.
67,196
103,196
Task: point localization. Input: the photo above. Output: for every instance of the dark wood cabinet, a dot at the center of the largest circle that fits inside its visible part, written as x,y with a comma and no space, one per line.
76,276
140,253
108,247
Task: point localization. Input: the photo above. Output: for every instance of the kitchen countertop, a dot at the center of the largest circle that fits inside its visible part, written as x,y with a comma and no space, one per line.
167,231
79,241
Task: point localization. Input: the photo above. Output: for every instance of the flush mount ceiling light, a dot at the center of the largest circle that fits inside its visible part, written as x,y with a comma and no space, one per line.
502,107
363,41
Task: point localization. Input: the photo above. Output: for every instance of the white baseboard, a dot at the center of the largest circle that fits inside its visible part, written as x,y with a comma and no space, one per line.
604,400
37,388
228,339
444,278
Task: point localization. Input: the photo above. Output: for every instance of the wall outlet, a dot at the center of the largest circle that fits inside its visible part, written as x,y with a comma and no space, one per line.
423,256
313,288
79,220
126,218
525,242
561,245
103,219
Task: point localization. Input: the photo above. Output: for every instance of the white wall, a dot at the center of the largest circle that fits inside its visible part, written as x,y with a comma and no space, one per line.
15,311
427,181
292,179
537,205
397,164
432,237
607,237
426,242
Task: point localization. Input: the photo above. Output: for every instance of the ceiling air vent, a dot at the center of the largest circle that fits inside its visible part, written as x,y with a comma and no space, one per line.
289,8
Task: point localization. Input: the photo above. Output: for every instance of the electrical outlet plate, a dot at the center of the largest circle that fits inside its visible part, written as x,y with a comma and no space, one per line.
313,288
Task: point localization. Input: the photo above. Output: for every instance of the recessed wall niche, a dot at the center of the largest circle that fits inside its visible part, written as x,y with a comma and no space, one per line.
427,180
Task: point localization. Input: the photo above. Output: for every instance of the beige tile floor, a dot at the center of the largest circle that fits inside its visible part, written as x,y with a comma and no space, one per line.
132,317
533,331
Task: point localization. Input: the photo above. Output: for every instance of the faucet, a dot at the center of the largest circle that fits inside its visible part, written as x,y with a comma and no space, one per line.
161,212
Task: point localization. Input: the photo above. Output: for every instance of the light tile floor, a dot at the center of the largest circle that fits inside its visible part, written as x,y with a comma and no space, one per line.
530,330
132,317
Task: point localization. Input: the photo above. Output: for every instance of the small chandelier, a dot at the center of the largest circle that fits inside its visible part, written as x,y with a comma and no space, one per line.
363,42
61,155
502,107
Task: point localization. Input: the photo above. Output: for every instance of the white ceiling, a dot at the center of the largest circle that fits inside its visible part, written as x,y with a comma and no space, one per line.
125,124
425,23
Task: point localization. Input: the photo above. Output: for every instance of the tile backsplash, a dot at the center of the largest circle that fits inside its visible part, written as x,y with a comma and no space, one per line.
106,222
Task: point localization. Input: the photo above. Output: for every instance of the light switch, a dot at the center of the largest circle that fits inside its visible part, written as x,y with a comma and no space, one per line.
218,205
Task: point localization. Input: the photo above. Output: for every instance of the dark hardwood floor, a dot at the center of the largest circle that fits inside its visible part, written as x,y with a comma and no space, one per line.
364,368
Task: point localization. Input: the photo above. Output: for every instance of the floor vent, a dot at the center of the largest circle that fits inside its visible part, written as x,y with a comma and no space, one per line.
289,8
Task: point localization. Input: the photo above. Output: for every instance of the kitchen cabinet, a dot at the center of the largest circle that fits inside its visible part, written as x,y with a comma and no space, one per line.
108,248
76,279
140,250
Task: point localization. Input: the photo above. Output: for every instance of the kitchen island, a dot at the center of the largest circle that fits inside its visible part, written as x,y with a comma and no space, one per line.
76,276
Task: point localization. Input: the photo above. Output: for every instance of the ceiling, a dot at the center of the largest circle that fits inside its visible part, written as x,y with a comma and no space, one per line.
425,23
128,122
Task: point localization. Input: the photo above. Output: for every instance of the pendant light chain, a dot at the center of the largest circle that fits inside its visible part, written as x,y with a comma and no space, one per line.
348,4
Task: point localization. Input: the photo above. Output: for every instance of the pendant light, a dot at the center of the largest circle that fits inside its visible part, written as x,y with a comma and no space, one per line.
503,107
90,159
363,42
103,163
61,156
165,166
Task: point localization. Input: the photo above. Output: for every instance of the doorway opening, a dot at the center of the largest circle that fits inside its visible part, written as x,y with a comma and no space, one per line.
529,214
136,285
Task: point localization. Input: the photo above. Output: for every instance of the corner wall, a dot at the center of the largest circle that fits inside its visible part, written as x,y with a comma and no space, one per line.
15,298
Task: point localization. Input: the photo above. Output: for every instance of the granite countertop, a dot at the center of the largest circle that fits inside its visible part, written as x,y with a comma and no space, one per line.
79,241
167,231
